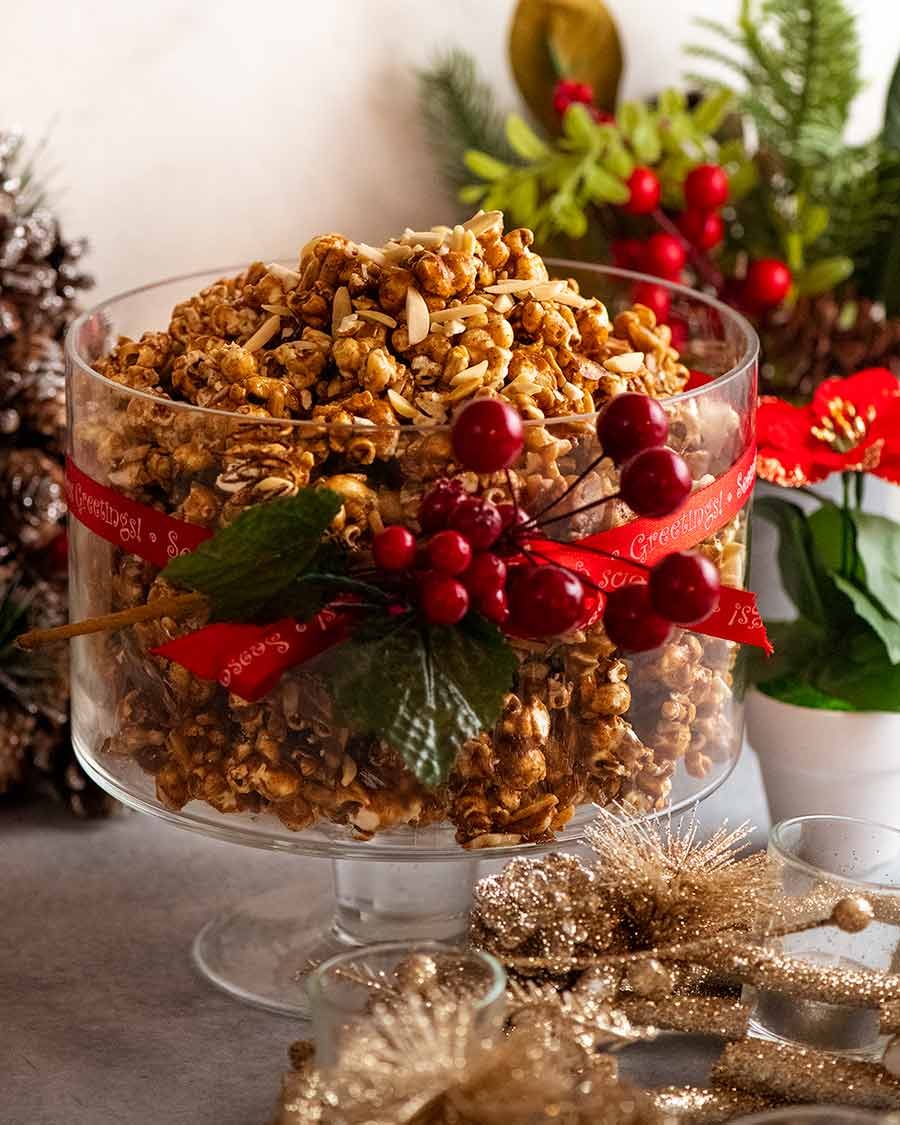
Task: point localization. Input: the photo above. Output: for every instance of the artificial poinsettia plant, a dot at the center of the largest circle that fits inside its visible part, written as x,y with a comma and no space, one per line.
839,564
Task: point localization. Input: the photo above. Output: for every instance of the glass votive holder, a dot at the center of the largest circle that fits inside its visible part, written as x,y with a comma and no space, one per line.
819,861
811,1115
345,990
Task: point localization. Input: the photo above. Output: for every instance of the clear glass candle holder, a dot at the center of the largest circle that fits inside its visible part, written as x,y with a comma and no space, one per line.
811,1115
820,860
345,990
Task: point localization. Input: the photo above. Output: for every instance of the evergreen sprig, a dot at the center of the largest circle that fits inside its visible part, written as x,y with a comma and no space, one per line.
460,113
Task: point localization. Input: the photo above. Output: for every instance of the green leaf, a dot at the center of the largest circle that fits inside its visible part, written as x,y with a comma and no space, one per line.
813,222
828,526
522,201
711,112
484,165
425,690
798,645
249,565
523,140
471,193
742,180
578,126
604,187
569,217
618,161
672,101
646,142
878,545
788,689
823,275
889,281
890,135
886,628
870,685
801,572
629,115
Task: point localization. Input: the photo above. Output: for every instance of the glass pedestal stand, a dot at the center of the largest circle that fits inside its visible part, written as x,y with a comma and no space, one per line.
406,884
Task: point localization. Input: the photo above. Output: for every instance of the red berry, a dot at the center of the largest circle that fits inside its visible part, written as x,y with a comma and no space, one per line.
704,229
394,548
438,504
627,252
630,622
655,297
655,482
601,116
768,282
684,588
706,187
487,435
449,552
645,191
680,332
545,600
486,573
568,91
479,521
445,601
493,605
664,255
630,423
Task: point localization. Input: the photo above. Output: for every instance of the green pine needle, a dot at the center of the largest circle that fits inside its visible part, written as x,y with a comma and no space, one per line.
460,113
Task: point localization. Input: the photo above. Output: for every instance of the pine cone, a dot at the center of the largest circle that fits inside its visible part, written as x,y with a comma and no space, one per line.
823,336
32,497
17,729
33,391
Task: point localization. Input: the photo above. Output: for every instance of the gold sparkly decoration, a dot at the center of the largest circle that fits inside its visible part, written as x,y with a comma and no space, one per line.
891,1059
651,886
417,973
585,1016
852,914
696,1105
801,1074
650,979
694,1015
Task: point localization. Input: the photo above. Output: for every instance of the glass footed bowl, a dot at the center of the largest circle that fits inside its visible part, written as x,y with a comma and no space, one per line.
657,732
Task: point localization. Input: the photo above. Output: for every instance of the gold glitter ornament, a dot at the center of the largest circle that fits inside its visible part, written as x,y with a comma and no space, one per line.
696,1105
852,914
693,1015
650,979
417,973
801,1074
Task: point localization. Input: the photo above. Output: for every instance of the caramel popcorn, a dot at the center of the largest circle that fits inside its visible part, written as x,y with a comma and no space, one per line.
340,373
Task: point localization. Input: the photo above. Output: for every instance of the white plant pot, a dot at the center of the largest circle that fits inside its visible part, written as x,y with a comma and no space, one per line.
842,763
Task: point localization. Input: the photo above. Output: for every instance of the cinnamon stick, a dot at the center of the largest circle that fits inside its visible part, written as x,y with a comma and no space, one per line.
175,606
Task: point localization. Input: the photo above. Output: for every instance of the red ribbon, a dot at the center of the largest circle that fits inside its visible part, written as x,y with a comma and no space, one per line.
249,659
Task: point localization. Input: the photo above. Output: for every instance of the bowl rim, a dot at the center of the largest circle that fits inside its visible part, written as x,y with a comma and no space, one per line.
749,355
778,844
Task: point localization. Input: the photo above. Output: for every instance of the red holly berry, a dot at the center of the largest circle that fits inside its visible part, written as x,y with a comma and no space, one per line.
487,435
684,588
630,622
627,252
706,187
655,297
704,229
445,601
493,605
644,192
567,92
601,116
437,505
767,284
394,548
664,255
545,600
449,552
486,573
479,521
631,422
655,482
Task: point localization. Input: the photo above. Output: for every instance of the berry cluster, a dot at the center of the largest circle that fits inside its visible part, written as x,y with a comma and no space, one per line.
569,92
478,556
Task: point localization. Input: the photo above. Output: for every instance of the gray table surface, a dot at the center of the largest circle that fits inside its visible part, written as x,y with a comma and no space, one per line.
103,1018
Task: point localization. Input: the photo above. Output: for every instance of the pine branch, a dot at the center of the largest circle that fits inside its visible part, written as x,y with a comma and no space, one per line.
460,113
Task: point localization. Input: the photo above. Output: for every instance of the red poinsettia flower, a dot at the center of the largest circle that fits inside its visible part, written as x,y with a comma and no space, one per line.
851,424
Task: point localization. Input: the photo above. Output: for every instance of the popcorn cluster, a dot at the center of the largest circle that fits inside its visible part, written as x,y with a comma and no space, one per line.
339,373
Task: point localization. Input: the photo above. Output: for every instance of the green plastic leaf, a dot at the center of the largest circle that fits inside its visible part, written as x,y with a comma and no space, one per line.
472,193
711,112
742,180
829,526
523,140
629,115
813,222
604,187
801,573
672,101
823,275
886,628
872,685
645,141
425,690
618,160
578,126
569,217
878,544
890,135
248,566
485,166
801,693
522,202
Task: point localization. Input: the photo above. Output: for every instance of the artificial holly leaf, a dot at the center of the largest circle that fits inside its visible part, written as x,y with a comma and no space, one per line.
878,544
425,690
554,39
246,567
886,628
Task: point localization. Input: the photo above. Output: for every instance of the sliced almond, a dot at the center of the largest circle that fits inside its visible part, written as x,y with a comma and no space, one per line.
290,279
425,238
513,285
464,388
573,299
504,303
278,310
347,325
451,327
341,308
456,312
401,405
547,290
573,392
371,253
418,316
397,252
263,334
625,364
358,421
376,317
458,237
483,221
477,370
